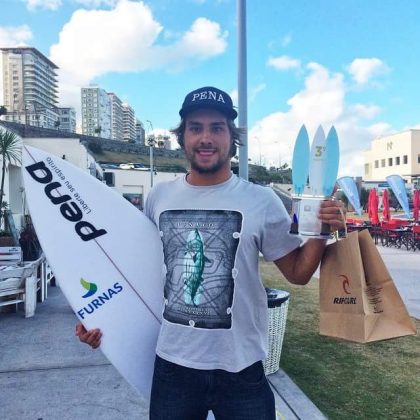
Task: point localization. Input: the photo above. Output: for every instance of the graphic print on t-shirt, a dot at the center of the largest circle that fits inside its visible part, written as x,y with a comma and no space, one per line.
200,248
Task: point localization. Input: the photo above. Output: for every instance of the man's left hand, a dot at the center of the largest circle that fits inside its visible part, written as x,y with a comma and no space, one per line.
332,212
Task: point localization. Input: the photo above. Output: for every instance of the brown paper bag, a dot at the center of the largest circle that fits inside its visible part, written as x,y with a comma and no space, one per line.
358,299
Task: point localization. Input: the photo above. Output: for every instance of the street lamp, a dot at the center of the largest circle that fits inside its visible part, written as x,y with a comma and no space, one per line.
151,143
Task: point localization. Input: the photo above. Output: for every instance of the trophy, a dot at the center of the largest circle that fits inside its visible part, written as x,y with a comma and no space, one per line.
320,163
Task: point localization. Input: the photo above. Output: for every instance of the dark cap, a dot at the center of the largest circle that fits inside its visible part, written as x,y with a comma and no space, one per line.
208,97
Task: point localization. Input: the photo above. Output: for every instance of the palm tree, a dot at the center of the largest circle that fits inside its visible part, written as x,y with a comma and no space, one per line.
10,150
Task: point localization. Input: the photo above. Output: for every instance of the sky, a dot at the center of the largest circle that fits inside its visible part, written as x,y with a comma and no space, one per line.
353,64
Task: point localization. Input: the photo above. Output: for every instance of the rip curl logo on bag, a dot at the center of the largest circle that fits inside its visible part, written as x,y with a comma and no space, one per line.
346,283
101,298
346,300
91,288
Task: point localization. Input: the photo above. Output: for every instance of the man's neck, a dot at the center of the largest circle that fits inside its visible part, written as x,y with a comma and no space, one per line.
206,179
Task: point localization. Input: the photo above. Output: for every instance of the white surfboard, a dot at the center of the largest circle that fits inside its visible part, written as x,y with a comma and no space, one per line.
107,257
317,162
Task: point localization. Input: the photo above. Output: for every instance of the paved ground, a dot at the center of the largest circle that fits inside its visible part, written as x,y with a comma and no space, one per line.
47,374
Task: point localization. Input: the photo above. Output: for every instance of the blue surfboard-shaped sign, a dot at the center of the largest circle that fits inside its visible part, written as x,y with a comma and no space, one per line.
300,161
349,187
332,159
317,162
396,182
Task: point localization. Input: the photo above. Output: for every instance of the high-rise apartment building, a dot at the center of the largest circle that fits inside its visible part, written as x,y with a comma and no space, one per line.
96,112
129,123
29,85
117,129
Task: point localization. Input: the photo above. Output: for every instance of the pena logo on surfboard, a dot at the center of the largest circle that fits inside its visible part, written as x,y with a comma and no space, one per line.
99,300
68,207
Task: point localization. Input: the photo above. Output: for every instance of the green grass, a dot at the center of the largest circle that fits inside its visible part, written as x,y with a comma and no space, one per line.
346,380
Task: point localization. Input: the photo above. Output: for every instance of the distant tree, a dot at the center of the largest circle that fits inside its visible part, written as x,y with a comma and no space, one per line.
151,140
3,110
98,130
57,124
364,197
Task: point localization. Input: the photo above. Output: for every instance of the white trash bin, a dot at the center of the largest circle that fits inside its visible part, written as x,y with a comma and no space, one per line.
278,303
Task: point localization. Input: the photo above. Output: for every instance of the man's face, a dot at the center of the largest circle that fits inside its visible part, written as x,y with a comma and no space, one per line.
207,141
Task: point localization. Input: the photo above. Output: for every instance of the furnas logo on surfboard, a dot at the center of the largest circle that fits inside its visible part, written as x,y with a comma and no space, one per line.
100,299
346,300
91,288
68,208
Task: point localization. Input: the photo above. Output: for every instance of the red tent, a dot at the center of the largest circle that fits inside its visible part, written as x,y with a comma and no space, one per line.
385,206
416,204
373,207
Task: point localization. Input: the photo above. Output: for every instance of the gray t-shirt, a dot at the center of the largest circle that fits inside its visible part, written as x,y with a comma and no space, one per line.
215,314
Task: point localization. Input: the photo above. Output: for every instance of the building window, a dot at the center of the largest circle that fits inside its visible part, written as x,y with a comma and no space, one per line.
382,163
367,166
397,160
376,163
418,158
389,161
405,160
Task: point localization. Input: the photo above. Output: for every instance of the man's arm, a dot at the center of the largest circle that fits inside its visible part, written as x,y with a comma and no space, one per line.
299,265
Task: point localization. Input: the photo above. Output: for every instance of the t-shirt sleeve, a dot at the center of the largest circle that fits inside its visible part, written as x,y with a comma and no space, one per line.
276,241
149,206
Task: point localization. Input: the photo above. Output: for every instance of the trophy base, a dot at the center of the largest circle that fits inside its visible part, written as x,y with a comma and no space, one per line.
305,223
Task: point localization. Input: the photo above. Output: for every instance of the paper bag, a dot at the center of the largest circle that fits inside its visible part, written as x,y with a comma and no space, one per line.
358,299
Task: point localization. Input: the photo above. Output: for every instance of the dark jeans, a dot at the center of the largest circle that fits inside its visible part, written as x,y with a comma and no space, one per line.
180,393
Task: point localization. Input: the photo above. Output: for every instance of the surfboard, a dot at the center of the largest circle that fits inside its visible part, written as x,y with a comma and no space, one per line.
317,162
300,162
107,258
332,162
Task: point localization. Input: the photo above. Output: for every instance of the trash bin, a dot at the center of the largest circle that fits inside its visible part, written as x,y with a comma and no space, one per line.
278,303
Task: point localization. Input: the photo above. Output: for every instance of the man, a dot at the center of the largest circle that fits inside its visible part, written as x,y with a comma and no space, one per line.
213,226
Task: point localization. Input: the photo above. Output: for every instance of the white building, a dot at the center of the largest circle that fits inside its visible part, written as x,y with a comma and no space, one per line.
96,112
129,123
29,86
67,119
117,127
396,154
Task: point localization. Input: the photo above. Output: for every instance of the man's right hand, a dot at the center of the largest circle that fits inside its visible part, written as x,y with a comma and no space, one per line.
91,337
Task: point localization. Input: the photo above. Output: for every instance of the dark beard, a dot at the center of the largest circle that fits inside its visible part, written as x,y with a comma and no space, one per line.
210,170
